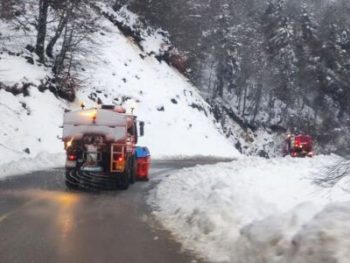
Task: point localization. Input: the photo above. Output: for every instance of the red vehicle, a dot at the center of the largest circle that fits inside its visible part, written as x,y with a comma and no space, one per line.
101,148
299,146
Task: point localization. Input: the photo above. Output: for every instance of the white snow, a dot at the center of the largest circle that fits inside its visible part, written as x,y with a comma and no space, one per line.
42,161
114,69
29,122
153,40
250,210
111,68
256,210
15,69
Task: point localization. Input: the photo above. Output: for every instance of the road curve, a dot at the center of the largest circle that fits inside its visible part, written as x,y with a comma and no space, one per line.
41,221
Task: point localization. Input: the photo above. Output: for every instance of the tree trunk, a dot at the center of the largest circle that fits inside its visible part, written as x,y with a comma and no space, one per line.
220,88
57,69
210,76
52,43
66,45
42,24
257,101
244,100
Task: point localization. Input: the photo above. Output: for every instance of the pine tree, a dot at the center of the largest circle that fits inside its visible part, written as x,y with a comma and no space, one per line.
280,44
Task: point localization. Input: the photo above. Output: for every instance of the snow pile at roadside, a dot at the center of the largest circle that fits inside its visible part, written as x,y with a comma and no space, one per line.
42,161
257,210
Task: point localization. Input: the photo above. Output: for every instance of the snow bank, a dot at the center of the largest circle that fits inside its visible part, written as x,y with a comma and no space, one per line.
306,234
42,161
255,210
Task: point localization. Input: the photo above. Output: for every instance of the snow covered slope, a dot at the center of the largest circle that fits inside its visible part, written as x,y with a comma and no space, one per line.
257,210
178,121
30,120
112,70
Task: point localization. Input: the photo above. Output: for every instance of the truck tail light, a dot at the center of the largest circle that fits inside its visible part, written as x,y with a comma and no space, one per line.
119,162
118,158
71,157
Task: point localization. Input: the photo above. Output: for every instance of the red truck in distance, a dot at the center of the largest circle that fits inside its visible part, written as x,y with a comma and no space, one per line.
298,146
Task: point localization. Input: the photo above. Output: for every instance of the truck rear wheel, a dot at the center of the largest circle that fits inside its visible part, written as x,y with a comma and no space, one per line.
133,168
124,178
71,182
124,181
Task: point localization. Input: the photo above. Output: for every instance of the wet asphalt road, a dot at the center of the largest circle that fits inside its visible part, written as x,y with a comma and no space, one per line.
41,221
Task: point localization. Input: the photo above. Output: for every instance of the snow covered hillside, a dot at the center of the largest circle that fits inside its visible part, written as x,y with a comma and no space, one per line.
257,210
274,65
112,70
29,121
178,121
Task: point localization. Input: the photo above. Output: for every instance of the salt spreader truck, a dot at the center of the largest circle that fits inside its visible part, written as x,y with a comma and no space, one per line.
299,146
101,148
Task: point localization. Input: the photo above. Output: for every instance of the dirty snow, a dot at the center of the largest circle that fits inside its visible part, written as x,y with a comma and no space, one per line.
257,210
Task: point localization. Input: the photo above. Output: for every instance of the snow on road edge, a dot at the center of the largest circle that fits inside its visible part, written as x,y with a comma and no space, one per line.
254,209
43,161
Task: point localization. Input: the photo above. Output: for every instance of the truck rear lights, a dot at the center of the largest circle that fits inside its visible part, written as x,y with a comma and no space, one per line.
72,157
120,159
119,163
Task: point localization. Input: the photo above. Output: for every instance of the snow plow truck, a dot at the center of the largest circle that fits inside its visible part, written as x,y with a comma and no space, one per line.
298,146
100,144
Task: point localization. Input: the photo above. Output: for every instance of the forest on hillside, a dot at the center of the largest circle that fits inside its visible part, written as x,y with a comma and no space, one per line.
58,28
278,65
273,66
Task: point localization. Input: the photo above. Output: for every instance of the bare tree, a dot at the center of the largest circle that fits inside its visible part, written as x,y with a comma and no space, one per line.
76,25
61,25
42,28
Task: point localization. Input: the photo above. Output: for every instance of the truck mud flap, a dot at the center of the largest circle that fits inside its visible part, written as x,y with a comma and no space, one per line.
92,181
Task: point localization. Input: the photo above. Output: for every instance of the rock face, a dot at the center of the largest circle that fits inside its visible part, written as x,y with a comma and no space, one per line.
277,64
